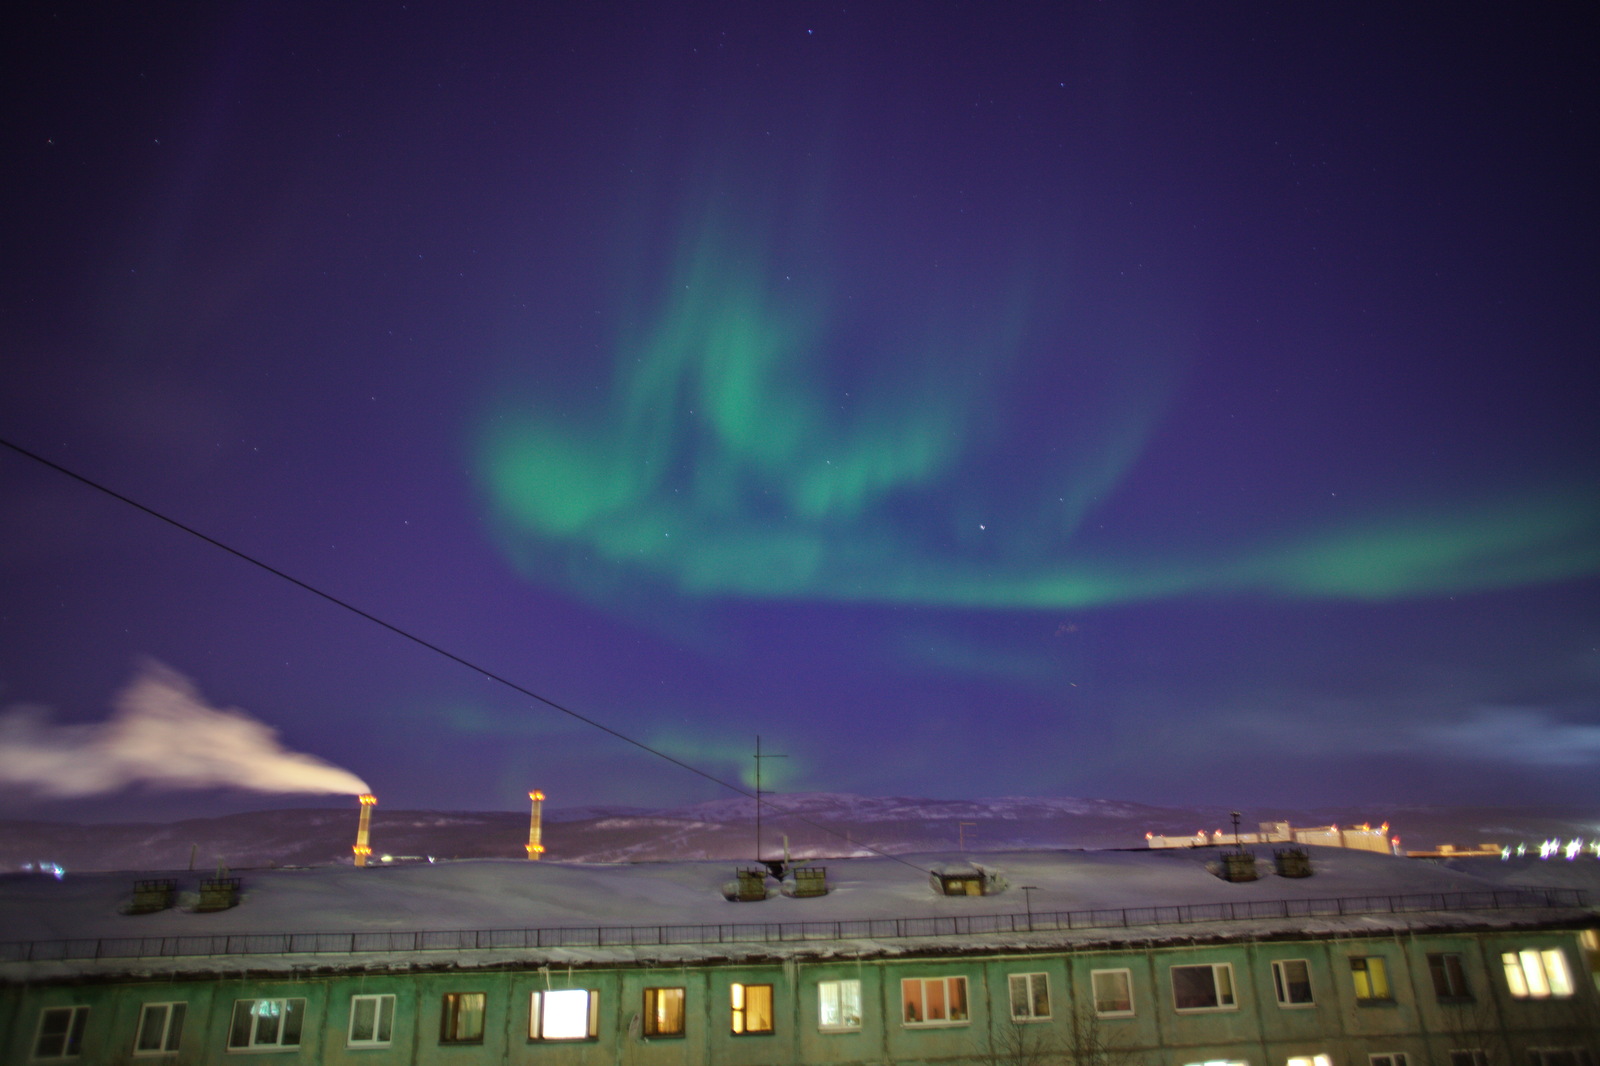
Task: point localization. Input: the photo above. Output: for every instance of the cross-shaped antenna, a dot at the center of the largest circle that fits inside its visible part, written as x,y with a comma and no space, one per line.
759,793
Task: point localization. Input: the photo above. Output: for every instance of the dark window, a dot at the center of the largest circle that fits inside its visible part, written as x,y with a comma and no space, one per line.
1202,987
60,1033
1449,977
160,1027
1291,980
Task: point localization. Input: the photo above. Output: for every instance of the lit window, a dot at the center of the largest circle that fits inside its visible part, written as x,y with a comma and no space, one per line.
1220,1062
1113,992
1291,980
839,1005
1449,976
1533,974
1390,1058
461,1018
60,1034
266,1023
160,1026
564,1014
752,1008
1469,1057
1203,987
1559,1056
1371,979
663,1012
371,1021
934,1000
1030,997
1309,1060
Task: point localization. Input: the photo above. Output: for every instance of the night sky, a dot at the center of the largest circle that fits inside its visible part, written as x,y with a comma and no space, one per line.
1181,403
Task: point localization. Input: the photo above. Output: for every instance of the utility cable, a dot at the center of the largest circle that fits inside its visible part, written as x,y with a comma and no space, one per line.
435,648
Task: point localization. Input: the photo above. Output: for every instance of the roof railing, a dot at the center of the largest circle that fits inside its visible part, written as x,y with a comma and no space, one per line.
390,941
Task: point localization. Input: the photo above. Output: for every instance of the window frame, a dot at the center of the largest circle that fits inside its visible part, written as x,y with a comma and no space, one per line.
71,1036
453,1008
1363,965
1217,990
1033,984
1536,973
740,1007
171,1035
1127,987
289,1012
651,1026
1474,1056
379,1017
538,1002
1447,970
1573,1054
1388,1058
947,986
1282,987
840,1006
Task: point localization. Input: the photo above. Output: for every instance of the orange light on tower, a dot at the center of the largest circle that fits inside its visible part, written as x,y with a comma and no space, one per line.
364,831
536,827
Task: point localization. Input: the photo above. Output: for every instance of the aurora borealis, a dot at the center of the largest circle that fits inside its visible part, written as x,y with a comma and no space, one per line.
1168,405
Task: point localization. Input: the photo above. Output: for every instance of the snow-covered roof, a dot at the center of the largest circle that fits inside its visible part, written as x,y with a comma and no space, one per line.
596,903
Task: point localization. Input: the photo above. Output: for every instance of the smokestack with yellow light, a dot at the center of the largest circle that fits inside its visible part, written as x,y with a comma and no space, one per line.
363,832
536,827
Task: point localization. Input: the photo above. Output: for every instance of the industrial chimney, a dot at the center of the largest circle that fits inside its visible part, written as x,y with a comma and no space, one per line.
536,827
363,833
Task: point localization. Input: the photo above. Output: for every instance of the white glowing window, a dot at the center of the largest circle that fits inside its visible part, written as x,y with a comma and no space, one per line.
371,1021
564,1014
839,1005
1113,992
1309,1060
1533,974
160,1028
266,1023
60,1034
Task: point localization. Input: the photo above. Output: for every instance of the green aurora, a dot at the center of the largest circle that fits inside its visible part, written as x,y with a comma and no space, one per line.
754,445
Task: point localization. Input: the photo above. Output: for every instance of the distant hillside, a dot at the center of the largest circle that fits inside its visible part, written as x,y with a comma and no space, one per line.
814,824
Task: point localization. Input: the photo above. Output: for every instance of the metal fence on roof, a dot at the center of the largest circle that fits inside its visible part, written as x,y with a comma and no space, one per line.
604,936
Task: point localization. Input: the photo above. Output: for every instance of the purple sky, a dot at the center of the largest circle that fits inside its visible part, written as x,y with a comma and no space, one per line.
1176,403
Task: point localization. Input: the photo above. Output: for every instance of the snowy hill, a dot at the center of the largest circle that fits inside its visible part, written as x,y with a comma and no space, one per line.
814,825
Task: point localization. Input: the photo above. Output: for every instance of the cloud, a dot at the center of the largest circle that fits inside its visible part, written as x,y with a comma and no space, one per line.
1515,734
161,734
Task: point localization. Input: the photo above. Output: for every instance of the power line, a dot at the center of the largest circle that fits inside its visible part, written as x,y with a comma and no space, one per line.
435,648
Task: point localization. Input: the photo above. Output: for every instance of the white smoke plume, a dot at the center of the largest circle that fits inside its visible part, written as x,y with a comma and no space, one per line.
161,734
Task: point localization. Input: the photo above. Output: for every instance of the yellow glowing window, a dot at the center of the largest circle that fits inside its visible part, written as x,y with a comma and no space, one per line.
663,1012
461,1018
752,1008
1371,978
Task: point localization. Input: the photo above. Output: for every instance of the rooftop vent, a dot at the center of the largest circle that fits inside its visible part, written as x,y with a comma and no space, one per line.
1292,862
750,885
218,894
963,879
805,882
152,896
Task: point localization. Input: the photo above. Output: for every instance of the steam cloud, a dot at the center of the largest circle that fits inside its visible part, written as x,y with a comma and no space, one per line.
161,734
